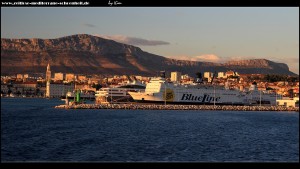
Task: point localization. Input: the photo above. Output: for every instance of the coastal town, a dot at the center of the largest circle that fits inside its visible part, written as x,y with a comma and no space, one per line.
58,85
115,84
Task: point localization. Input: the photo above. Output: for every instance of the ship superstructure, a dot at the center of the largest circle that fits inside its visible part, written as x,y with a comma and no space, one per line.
119,93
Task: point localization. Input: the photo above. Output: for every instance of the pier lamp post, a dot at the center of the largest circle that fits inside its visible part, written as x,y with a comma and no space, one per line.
165,94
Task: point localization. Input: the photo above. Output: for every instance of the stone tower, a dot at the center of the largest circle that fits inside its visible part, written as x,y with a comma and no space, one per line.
48,79
48,73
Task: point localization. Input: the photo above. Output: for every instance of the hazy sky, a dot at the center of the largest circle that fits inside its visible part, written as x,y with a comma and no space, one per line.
214,34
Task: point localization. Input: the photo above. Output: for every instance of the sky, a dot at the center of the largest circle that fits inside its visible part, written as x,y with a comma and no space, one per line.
214,34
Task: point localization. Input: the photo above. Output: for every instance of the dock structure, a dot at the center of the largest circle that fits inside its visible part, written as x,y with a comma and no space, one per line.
178,107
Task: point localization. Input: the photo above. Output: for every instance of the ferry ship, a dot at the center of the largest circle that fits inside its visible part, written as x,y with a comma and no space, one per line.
119,93
158,90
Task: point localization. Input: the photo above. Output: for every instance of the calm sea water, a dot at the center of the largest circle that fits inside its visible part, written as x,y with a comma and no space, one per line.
32,130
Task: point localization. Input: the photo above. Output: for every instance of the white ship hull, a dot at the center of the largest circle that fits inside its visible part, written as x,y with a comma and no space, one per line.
118,94
159,91
114,95
192,96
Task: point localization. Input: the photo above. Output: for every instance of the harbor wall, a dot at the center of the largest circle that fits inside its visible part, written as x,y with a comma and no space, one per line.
177,107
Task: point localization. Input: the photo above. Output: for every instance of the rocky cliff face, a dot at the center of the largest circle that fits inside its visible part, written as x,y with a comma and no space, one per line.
258,63
88,54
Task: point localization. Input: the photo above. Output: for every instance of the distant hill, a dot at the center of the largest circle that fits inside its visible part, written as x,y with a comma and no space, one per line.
87,54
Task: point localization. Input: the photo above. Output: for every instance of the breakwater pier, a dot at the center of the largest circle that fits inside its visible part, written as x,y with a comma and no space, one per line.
177,107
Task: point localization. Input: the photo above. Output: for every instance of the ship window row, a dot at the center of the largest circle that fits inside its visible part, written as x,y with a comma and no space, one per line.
117,93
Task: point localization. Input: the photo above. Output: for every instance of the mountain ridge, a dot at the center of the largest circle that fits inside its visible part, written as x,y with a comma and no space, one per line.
87,54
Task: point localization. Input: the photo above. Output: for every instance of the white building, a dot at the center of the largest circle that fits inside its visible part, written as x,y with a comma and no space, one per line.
208,75
58,76
221,75
4,88
19,76
58,90
175,76
82,78
231,73
288,102
25,76
185,76
70,77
